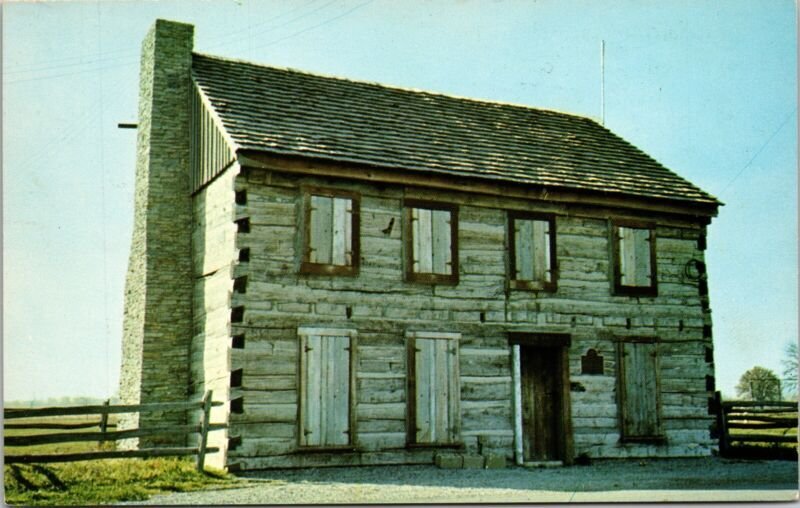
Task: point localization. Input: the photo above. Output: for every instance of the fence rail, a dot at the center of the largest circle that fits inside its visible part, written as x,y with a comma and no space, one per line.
104,435
755,416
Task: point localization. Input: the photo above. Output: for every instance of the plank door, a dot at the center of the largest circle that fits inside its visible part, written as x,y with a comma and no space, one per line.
436,391
325,390
543,430
639,390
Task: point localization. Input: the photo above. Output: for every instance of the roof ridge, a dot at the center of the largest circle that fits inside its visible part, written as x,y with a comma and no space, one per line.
397,87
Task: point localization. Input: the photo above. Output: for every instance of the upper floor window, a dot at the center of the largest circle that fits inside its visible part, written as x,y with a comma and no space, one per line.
331,240
532,248
634,251
431,242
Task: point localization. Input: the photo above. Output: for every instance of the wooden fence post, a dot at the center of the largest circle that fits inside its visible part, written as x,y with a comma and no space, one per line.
722,427
205,417
104,421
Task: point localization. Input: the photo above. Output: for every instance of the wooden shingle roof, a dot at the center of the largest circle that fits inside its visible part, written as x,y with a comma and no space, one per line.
292,113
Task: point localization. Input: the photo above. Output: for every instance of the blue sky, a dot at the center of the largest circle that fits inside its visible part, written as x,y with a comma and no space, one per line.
708,88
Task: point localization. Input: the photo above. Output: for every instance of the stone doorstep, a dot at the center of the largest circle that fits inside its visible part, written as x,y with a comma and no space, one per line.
543,463
469,461
448,460
495,461
473,461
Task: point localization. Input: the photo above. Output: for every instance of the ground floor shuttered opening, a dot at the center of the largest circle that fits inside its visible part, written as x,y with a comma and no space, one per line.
536,398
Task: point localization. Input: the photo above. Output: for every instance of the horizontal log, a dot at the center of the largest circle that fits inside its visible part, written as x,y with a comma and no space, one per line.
69,437
744,413
11,413
117,454
63,426
753,403
789,423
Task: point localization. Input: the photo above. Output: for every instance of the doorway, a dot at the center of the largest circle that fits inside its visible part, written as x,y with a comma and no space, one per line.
542,404
544,430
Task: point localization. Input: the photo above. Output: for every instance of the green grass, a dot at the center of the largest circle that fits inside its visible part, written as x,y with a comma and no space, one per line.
97,482
765,450
58,448
106,481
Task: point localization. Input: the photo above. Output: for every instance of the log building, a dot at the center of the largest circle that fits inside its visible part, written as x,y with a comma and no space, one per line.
372,275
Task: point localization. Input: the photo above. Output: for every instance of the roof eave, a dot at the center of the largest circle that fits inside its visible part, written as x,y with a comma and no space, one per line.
703,210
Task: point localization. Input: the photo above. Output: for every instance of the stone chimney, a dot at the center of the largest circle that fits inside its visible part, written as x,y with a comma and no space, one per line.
157,325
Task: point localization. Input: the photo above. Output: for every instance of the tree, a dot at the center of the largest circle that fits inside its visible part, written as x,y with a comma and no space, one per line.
789,364
759,384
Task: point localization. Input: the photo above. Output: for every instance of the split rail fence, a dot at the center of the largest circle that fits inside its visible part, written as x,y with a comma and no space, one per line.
751,422
202,428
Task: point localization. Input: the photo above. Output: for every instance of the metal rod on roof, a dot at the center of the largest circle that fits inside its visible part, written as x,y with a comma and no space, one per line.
602,82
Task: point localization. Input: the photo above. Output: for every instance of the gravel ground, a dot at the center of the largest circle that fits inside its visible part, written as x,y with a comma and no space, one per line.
704,479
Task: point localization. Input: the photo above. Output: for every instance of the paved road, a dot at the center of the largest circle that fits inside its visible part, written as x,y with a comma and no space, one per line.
706,479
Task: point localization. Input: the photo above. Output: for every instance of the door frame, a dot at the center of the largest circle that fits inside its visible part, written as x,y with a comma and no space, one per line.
562,342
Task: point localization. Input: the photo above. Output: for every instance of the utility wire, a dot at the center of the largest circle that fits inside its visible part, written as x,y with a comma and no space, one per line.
129,54
84,71
237,36
758,152
329,20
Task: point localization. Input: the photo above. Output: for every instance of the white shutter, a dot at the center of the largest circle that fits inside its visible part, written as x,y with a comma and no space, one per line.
341,225
311,429
640,407
437,404
321,234
627,257
642,257
524,250
440,251
541,251
425,247
325,396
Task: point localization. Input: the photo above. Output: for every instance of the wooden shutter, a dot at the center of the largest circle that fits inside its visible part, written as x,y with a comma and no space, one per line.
321,234
641,242
342,248
422,245
532,250
325,389
635,257
541,251
627,264
331,234
440,251
436,381
639,389
523,236
431,241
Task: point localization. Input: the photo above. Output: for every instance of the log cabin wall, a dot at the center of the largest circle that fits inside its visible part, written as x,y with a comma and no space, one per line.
380,308
214,257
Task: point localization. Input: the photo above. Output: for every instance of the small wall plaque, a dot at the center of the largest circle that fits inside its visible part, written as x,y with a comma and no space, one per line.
592,363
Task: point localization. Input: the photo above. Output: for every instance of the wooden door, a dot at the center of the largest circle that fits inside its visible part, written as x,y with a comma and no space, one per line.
639,390
325,397
542,403
436,404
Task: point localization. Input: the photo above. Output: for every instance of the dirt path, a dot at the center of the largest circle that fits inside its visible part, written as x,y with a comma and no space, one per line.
706,479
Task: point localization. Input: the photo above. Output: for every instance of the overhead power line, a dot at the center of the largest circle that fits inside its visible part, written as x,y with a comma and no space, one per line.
761,149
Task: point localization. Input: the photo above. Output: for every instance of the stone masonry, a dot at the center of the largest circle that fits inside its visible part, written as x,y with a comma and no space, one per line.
157,325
